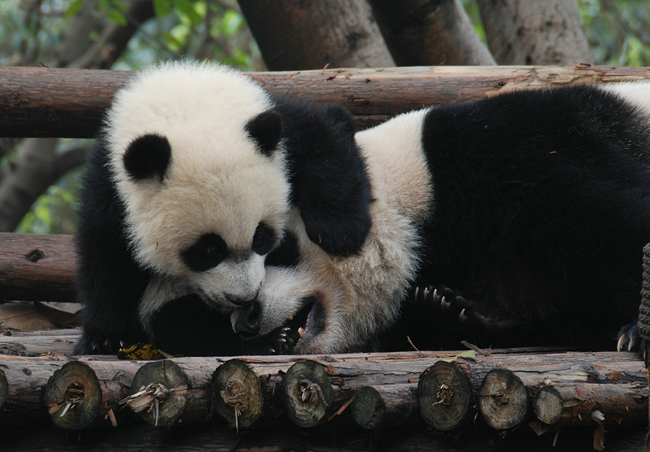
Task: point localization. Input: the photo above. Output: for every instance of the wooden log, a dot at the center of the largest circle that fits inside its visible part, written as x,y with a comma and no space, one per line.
548,405
44,102
307,394
237,394
384,406
612,383
4,388
37,343
165,395
444,392
37,267
503,399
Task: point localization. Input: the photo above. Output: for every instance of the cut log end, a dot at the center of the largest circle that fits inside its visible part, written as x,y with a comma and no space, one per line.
548,405
368,408
237,394
307,393
73,396
159,392
444,393
4,388
503,399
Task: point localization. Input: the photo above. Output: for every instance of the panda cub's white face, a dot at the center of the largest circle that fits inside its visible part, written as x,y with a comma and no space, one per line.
197,160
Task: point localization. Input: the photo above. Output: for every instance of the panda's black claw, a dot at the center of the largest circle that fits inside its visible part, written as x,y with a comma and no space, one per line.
444,304
629,338
462,317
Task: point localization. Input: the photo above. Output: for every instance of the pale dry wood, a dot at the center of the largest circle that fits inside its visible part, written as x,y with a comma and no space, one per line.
43,102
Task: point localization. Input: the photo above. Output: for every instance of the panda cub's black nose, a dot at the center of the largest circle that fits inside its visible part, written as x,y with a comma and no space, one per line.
248,323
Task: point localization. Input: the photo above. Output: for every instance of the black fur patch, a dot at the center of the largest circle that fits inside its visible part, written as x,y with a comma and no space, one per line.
264,239
266,130
148,156
328,176
286,254
206,253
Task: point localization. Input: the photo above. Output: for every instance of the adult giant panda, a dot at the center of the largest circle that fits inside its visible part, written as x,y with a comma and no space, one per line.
188,190
519,219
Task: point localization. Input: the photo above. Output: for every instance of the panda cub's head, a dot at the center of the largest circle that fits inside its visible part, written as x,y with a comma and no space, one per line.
197,160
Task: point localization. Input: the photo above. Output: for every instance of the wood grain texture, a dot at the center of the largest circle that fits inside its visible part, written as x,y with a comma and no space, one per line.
44,102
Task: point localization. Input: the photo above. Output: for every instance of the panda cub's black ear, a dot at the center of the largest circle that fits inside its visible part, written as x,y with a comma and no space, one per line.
147,157
266,130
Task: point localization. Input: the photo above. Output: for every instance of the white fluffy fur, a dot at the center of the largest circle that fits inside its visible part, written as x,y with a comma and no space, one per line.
360,294
218,182
636,93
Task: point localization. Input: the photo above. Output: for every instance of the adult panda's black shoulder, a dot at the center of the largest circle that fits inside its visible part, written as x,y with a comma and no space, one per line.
519,219
189,188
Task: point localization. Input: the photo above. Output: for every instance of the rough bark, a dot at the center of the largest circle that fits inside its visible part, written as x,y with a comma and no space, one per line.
428,33
535,32
70,103
36,267
297,34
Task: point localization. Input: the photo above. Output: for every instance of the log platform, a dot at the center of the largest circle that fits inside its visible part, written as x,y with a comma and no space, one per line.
504,400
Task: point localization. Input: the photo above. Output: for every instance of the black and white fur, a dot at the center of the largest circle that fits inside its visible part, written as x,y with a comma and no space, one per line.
519,220
188,190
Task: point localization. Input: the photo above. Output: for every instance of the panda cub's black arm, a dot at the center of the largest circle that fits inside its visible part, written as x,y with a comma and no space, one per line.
109,283
321,149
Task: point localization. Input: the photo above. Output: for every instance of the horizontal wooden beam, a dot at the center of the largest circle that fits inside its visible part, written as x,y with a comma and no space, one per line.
44,102
35,267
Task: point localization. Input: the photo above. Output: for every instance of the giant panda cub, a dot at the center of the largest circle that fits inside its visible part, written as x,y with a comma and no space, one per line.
512,221
188,190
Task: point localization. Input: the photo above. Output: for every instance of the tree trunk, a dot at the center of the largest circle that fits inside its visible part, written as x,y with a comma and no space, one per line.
535,32
430,33
294,35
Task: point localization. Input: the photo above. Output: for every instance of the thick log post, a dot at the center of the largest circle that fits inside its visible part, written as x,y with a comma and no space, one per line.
164,395
503,399
307,394
83,394
548,405
384,406
237,394
444,393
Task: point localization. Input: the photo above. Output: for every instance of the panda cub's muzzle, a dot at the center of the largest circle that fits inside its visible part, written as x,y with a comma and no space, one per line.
297,332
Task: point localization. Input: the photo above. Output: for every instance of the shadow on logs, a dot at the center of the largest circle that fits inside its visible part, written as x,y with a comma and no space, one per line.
444,393
237,394
503,399
307,394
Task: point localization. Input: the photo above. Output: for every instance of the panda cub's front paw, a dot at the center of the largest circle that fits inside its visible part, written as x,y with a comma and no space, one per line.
95,345
629,339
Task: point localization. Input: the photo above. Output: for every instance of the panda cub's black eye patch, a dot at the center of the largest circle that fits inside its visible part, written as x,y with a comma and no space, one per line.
263,240
205,253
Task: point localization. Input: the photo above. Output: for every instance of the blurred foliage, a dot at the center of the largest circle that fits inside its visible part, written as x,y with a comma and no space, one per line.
31,31
618,31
